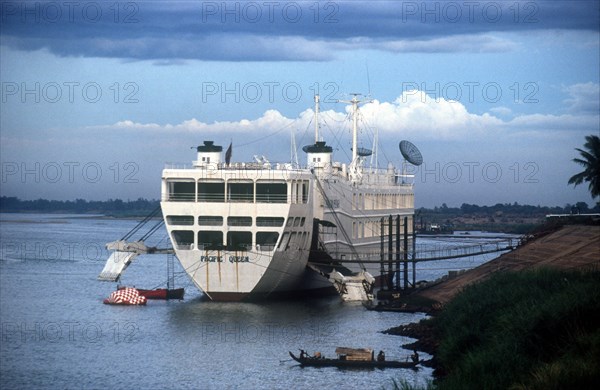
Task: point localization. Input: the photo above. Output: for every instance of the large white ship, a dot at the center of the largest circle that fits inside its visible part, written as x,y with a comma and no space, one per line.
248,230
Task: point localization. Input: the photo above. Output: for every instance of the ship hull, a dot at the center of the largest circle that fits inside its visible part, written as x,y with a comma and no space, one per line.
306,289
262,276
244,234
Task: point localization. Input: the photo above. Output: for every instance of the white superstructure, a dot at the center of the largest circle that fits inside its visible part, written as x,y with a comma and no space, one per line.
246,230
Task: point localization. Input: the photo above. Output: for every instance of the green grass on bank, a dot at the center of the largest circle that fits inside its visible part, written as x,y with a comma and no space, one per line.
535,330
526,330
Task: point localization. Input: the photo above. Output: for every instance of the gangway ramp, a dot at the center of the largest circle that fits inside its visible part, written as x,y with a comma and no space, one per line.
122,254
124,251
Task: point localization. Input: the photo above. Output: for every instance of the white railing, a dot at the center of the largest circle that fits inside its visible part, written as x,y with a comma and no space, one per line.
171,165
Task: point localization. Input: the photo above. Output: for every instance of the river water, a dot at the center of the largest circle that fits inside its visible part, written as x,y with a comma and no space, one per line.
56,333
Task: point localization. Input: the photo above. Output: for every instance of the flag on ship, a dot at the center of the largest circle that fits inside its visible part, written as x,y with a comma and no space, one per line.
228,154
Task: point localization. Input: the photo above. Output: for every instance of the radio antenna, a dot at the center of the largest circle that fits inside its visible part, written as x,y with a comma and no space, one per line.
368,79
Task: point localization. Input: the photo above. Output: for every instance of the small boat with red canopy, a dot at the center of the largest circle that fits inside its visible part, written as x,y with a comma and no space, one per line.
159,293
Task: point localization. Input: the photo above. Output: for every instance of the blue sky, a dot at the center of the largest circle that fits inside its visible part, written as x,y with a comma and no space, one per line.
98,96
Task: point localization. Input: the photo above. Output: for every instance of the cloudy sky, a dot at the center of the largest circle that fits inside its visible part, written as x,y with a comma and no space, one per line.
97,96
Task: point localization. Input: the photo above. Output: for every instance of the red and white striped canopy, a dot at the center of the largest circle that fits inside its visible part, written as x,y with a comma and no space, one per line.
126,296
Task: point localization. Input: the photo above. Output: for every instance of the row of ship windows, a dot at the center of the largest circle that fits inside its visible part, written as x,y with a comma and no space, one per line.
217,220
213,240
382,201
238,241
237,191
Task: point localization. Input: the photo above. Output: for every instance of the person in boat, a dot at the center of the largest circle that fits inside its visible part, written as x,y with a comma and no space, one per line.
317,355
303,354
381,356
415,356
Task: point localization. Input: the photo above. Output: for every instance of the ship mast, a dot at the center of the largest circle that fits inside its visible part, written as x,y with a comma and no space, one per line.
354,129
355,102
316,118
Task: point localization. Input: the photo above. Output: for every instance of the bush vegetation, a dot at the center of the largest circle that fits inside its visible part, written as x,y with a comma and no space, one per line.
526,330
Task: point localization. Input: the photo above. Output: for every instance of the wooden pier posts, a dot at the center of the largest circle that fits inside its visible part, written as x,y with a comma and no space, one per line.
393,278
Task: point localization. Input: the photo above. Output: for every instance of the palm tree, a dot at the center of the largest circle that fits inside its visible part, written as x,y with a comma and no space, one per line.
591,162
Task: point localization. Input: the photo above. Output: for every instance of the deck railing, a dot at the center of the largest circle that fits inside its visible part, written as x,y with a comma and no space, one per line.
220,198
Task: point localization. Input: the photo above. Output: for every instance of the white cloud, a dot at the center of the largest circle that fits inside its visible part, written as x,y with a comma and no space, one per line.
457,43
549,123
128,125
413,114
465,43
583,98
502,111
270,120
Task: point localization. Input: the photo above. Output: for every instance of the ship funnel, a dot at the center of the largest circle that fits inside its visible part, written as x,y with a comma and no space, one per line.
318,155
209,153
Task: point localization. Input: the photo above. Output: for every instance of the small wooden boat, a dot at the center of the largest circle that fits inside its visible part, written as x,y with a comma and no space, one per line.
163,293
349,360
160,293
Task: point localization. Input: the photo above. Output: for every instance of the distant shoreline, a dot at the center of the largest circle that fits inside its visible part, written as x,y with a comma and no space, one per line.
501,218
59,214
115,208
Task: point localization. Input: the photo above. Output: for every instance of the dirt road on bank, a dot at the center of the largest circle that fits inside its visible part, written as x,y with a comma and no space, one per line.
571,247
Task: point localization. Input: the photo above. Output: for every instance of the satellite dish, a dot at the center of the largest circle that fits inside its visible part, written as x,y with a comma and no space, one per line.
364,152
411,153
